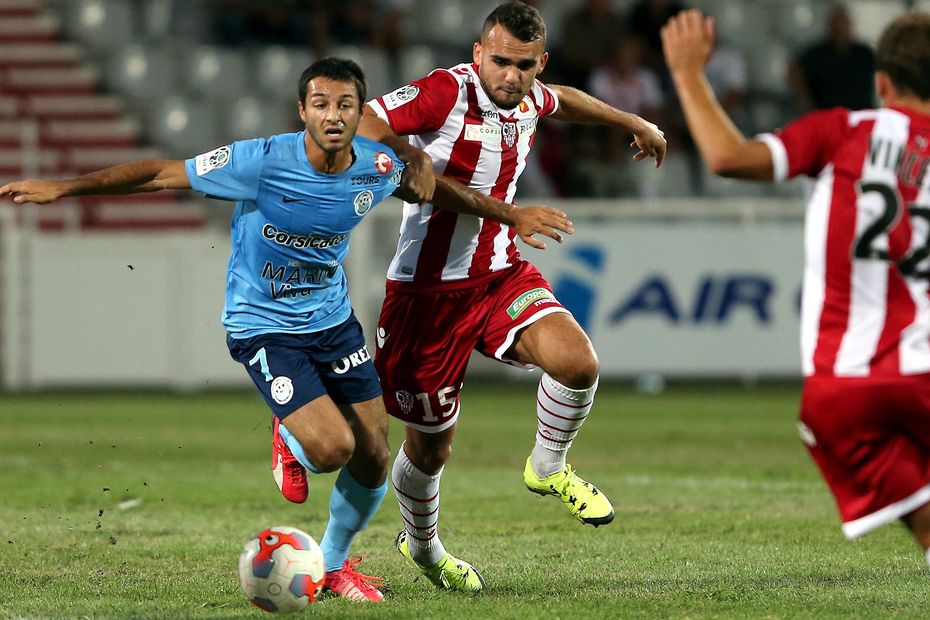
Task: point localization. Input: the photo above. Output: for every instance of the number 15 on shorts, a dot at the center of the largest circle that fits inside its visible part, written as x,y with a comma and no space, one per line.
443,404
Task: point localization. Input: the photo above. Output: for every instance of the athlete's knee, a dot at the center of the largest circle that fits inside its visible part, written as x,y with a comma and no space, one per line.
578,370
334,453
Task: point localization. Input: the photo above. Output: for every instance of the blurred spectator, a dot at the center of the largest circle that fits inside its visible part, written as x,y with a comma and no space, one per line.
588,37
625,83
726,73
600,165
646,20
285,22
837,71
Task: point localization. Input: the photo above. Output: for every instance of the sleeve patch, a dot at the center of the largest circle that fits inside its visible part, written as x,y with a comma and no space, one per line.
404,94
216,158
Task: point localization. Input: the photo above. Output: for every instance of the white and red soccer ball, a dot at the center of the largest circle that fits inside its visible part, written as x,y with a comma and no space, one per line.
281,569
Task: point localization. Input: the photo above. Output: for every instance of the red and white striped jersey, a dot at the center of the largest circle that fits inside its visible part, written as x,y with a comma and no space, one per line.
865,309
449,115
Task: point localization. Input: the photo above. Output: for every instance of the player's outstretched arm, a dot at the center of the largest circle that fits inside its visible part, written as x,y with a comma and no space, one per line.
149,175
576,106
526,221
419,182
688,41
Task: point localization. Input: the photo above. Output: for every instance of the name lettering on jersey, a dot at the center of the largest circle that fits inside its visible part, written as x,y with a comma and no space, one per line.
483,133
286,279
910,166
298,242
536,296
527,127
401,96
358,358
217,158
488,113
363,202
383,162
365,179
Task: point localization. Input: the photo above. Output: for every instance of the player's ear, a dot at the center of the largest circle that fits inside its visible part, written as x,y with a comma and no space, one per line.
542,62
301,111
476,53
884,88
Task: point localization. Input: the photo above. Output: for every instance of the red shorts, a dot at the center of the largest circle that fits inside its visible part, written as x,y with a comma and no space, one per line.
871,440
425,337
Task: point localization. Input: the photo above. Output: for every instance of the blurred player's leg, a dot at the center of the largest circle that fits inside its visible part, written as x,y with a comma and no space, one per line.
557,344
919,524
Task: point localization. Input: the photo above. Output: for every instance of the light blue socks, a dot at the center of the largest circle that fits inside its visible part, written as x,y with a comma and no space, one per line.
351,507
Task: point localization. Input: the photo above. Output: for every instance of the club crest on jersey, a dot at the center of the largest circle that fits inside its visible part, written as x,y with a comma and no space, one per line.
282,390
404,94
405,401
383,162
510,134
217,158
363,201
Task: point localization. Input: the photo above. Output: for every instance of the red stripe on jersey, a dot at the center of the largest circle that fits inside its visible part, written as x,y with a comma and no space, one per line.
481,261
841,235
463,161
513,254
900,310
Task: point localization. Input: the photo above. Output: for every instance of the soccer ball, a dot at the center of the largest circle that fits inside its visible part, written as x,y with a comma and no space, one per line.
281,569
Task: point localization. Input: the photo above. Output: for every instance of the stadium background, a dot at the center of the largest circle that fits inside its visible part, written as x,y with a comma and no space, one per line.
674,273
129,482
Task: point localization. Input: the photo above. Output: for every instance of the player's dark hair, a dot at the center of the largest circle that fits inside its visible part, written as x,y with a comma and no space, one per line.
521,20
903,53
338,69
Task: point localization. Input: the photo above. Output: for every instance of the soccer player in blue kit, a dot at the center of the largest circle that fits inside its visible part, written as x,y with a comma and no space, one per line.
287,314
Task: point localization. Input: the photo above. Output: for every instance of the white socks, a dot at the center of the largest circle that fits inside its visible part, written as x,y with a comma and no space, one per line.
560,412
928,557
418,496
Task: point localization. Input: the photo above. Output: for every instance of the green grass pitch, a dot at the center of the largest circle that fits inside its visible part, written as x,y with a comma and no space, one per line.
720,513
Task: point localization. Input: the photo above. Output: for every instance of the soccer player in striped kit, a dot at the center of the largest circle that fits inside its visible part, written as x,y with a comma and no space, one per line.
458,284
865,312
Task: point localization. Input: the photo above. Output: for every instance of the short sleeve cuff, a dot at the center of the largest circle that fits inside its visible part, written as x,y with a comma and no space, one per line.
779,155
378,109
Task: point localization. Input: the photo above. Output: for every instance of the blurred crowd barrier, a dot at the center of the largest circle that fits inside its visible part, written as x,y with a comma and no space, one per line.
680,288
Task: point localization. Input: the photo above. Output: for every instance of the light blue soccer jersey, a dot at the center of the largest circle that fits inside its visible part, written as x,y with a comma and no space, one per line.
290,229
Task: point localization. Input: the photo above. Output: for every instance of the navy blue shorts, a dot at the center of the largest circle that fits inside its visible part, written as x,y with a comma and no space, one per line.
291,370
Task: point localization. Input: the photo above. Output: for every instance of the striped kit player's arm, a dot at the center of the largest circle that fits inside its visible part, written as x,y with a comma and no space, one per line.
148,175
527,221
576,106
688,40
